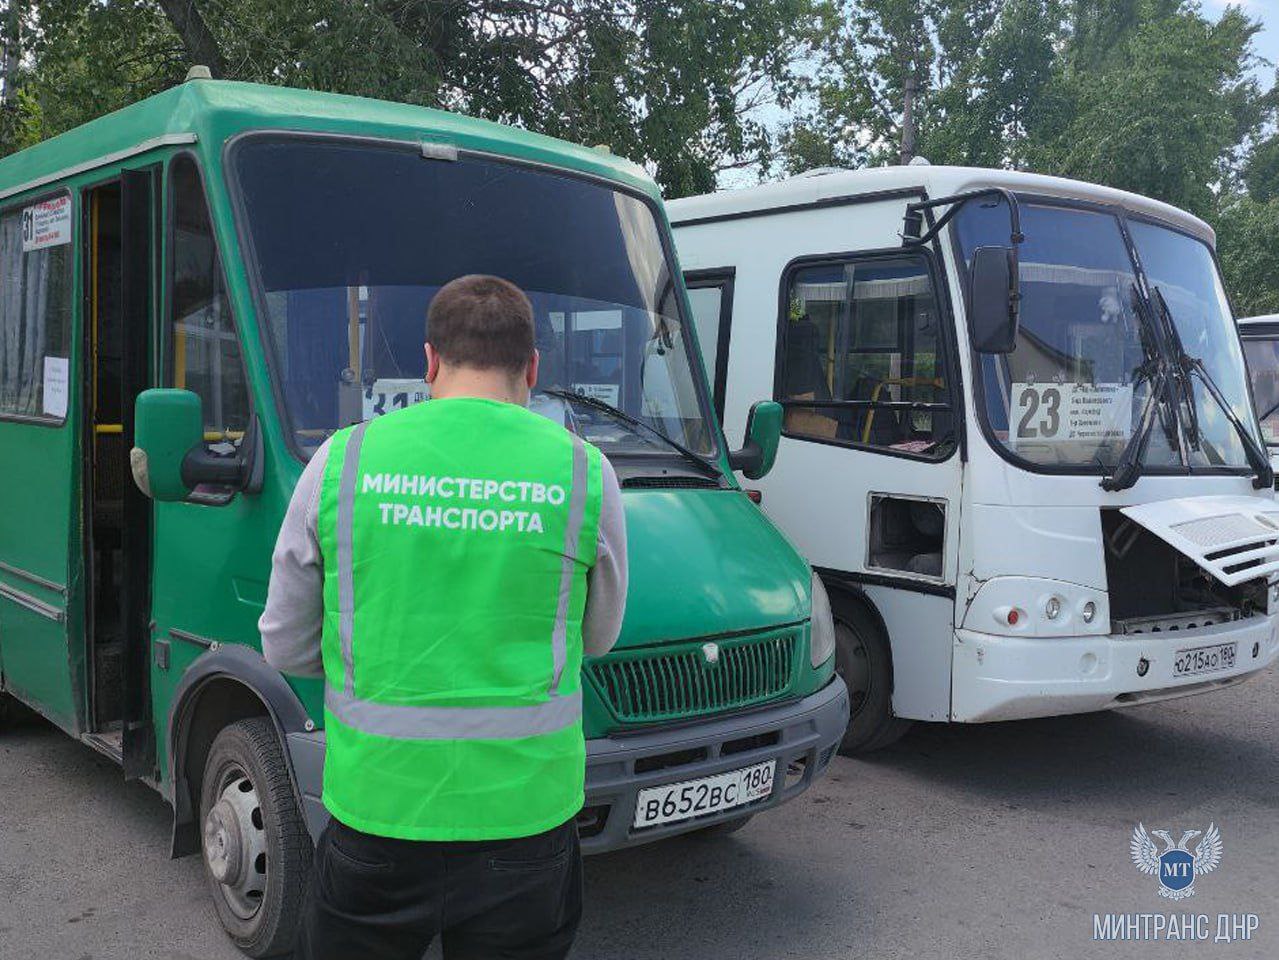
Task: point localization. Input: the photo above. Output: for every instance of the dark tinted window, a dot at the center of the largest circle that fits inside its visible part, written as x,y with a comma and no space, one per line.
205,349
351,242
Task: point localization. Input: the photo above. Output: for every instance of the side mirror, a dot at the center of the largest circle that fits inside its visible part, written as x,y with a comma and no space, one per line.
763,432
993,300
169,459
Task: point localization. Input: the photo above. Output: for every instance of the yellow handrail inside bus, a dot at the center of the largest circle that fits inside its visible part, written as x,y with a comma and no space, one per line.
353,329
179,357
895,381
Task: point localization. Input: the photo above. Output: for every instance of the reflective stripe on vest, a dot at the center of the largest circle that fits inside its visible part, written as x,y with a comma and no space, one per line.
402,722
399,722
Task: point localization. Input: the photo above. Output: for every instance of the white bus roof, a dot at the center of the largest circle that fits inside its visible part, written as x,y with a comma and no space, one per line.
825,187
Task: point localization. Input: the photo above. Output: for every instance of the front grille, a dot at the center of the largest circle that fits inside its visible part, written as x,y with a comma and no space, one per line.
647,686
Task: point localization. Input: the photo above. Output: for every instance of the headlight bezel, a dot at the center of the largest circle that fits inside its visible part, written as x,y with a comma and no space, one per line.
821,625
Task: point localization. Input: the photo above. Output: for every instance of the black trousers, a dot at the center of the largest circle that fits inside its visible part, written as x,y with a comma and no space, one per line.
381,898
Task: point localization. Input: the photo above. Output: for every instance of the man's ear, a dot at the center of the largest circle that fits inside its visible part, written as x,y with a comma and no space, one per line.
432,363
530,372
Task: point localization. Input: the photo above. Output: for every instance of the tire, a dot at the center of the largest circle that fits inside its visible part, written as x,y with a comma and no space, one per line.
255,845
13,712
864,661
717,830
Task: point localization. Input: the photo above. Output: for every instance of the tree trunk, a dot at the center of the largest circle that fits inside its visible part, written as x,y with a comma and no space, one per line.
12,52
199,41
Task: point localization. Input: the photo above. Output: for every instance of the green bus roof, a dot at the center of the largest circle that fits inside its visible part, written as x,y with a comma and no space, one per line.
212,111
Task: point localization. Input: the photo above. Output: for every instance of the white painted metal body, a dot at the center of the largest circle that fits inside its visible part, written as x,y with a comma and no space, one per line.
1012,536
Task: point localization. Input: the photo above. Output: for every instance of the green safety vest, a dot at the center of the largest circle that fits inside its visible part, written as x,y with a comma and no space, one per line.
456,536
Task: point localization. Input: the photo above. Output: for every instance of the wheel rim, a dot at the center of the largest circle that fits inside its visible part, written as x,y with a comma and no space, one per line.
235,845
855,668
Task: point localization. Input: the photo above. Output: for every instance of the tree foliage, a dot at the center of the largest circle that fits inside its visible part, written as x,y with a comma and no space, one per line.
674,85
1146,95
1153,96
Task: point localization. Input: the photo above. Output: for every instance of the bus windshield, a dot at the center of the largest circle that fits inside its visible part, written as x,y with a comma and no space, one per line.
1072,393
1263,366
350,241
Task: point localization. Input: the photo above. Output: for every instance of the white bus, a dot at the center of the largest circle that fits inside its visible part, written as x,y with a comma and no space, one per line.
1018,441
1261,350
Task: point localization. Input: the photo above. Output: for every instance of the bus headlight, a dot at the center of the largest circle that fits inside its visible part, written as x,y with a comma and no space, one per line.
1037,607
821,634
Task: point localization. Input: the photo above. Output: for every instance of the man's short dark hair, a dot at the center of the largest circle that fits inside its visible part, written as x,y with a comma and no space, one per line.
481,322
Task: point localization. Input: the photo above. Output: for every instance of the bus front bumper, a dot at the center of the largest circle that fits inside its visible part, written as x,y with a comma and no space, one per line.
801,736
1014,678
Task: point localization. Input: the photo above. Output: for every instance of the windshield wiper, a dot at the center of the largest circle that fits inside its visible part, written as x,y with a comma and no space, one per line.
1181,371
619,414
1188,364
1128,467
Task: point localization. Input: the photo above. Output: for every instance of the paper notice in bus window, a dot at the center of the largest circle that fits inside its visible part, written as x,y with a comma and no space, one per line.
46,224
608,392
1088,413
387,395
56,386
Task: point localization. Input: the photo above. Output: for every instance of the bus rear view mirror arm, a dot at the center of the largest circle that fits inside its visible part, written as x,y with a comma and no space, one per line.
993,300
763,432
170,458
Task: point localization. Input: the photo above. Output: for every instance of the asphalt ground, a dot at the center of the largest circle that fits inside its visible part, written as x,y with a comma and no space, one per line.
998,841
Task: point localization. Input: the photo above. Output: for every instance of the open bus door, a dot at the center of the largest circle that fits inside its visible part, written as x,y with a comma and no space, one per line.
120,275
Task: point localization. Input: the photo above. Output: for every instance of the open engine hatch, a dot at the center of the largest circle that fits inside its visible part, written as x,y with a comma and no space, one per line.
1234,539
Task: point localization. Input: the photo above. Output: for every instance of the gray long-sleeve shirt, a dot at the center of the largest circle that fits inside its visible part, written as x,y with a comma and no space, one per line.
291,623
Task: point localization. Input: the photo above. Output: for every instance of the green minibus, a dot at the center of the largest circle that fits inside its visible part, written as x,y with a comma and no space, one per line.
195,291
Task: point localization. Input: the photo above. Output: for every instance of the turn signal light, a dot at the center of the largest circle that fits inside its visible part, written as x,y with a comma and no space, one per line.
1013,617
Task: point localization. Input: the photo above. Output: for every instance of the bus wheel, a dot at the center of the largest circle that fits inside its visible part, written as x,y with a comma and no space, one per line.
257,853
864,661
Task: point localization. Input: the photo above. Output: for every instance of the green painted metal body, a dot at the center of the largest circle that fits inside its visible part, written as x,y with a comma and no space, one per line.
705,564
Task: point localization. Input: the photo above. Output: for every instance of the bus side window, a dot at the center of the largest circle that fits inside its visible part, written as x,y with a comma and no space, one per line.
862,362
35,311
204,346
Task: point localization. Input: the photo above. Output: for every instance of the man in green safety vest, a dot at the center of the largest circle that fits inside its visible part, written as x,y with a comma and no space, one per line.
443,568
